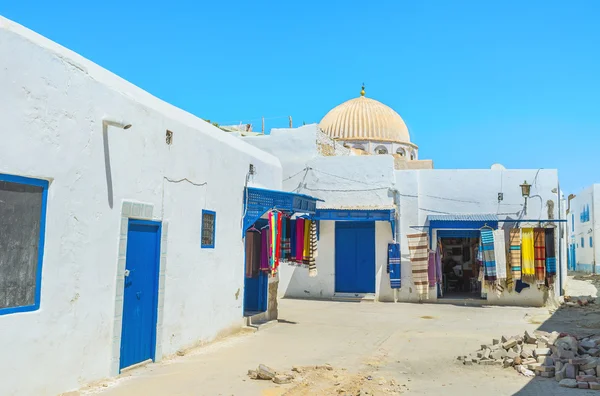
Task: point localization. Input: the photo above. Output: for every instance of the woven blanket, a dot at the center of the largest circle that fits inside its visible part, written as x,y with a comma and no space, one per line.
550,255
299,241
394,265
438,264
431,269
500,254
306,248
264,249
286,230
539,243
417,248
292,241
312,252
515,253
489,259
527,256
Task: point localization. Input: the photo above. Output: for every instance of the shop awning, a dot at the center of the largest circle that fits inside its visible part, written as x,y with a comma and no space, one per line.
357,215
258,201
460,225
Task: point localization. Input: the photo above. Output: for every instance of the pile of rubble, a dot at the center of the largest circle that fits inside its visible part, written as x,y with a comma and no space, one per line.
266,373
574,362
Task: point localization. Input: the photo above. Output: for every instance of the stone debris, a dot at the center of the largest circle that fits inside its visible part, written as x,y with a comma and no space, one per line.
572,361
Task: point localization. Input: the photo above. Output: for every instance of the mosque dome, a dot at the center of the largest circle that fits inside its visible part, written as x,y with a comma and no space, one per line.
365,119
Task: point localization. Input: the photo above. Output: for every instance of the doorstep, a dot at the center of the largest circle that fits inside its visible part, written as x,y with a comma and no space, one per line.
354,297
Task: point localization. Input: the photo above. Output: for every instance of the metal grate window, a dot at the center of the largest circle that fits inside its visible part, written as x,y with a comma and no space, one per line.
22,223
208,229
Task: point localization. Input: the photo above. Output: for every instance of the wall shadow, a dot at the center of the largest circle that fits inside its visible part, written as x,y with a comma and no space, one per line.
580,321
108,171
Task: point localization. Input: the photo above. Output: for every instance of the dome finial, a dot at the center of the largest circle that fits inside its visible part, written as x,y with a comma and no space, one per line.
362,91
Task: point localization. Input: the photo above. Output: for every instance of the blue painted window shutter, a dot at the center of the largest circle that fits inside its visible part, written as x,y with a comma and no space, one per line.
207,234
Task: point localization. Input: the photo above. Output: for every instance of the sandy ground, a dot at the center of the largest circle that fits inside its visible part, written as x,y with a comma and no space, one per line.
373,348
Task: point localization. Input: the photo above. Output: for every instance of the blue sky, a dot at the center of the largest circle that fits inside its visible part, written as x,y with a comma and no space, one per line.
477,82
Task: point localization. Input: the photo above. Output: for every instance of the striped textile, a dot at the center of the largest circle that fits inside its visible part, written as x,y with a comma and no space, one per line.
527,255
431,269
313,252
550,254
292,241
489,261
278,239
515,253
539,243
394,265
500,254
306,246
417,248
299,241
286,230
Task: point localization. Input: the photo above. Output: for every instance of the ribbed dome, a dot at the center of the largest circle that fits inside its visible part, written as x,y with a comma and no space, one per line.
365,119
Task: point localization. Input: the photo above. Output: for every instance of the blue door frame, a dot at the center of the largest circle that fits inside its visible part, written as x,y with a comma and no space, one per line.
140,297
354,257
256,289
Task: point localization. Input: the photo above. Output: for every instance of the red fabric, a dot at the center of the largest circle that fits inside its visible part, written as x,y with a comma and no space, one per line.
278,236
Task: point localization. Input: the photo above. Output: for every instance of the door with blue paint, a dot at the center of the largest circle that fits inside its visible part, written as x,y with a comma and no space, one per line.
355,257
140,299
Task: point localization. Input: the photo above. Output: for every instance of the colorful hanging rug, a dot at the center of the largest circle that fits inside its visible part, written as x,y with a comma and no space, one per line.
515,253
550,255
417,248
539,243
489,259
527,255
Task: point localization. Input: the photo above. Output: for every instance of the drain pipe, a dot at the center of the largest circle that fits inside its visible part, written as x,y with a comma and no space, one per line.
397,232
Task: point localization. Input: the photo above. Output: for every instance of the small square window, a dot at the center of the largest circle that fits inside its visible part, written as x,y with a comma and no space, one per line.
208,229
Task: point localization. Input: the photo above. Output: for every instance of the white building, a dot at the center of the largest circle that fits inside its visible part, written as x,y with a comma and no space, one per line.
583,229
370,201
120,221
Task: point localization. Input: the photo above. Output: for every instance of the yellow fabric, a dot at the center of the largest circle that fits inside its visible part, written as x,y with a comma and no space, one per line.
306,248
527,252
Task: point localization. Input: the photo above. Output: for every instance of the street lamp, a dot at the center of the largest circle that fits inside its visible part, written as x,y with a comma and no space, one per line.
525,189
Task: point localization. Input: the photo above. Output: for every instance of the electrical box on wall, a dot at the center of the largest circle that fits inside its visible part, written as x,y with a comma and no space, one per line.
500,197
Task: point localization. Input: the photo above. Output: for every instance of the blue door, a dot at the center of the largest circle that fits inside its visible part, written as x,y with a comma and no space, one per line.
140,300
355,257
255,293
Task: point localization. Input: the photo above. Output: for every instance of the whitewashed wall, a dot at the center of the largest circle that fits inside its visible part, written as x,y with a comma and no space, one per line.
425,192
51,107
294,281
586,255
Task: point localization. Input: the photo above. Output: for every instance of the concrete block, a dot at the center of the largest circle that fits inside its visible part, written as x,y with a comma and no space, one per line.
595,385
558,365
511,354
590,372
591,364
587,344
548,374
583,385
526,354
586,378
598,371
595,352
468,362
509,344
486,354
560,375
504,338
570,371
578,361
545,368
499,354
553,337
568,383
525,362
475,360
540,344
508,362
529,338
495,341
542,352
486,362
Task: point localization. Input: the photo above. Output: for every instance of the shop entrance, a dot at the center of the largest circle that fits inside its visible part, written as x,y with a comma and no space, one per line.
460,268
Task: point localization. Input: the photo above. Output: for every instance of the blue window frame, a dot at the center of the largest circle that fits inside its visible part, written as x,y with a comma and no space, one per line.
209,224
24,200
591,243
572,222
582,243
